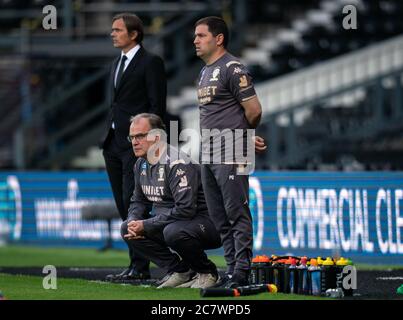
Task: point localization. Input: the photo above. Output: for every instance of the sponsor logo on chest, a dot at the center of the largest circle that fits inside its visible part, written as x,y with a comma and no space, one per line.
161,173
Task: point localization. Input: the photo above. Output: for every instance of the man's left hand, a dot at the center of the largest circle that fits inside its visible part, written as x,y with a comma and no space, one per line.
136,227
135,230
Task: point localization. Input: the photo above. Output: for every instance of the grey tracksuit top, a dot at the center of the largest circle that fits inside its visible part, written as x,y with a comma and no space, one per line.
172,187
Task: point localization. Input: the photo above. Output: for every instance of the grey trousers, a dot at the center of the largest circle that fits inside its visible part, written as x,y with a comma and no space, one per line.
227,196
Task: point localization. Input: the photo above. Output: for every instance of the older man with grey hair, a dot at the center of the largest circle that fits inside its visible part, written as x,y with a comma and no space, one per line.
170,182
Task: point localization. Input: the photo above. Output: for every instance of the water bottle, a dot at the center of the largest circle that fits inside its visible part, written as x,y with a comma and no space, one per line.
253,270
328,277
286,276
340,264
263,270
278,274
292,276
303,280
268,271
315,277
260,272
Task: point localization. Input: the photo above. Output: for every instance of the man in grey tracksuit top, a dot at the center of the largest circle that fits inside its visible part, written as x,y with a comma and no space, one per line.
228,105
171,184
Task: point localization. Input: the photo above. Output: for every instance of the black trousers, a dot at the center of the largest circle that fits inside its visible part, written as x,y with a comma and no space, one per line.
188,239
227,197
119,166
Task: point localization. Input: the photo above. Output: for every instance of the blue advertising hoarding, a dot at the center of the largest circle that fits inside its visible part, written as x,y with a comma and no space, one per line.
358,215
355,214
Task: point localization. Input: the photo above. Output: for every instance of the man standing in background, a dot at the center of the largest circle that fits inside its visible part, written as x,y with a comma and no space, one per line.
227,102
138,85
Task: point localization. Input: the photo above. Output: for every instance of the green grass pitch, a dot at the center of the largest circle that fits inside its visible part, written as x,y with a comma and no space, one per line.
18,287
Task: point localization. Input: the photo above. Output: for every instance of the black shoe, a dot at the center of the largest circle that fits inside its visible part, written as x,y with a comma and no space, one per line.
113,277
128,274
134,275
222,281
236,281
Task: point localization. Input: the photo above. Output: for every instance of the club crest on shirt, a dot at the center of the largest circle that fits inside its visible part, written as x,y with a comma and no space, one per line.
179,172
243,82
143,169
183,182
237,70
161,174
215,75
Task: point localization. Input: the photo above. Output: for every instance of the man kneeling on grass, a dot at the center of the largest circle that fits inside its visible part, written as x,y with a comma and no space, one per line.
170,183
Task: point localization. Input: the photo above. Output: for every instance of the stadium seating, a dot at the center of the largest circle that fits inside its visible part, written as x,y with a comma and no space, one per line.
319,41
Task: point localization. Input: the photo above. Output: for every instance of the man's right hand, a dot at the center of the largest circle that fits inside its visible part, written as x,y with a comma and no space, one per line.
131,237
260,145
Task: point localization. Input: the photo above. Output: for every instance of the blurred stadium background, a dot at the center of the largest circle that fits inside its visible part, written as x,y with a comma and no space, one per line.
331,182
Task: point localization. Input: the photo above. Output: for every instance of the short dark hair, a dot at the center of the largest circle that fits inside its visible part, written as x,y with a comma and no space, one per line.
154,120
216,25
132,23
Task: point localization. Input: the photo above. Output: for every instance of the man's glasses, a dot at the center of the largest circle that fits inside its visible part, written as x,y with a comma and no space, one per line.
138,137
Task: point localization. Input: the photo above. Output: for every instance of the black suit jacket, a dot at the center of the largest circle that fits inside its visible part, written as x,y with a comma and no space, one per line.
143,88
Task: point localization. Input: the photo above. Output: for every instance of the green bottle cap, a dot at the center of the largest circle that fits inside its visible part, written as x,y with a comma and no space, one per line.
400,290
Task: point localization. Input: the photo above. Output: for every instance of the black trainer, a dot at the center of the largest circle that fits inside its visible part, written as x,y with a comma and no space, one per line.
112,277
128,274
134,275
236,281
222,281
